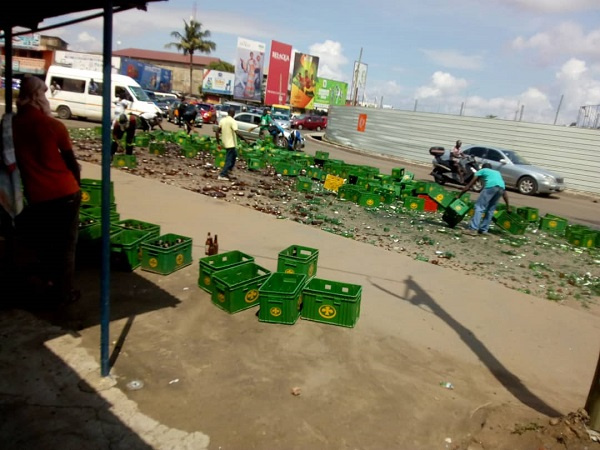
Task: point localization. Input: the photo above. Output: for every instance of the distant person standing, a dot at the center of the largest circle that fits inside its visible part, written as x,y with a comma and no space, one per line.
493,189
228,130
51,177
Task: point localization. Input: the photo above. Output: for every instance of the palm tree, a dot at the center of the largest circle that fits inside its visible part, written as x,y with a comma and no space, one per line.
222,66
193,39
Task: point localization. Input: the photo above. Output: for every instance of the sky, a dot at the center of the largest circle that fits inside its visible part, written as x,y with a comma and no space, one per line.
538,60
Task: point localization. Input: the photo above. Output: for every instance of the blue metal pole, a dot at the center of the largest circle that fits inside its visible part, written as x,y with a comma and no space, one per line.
106,143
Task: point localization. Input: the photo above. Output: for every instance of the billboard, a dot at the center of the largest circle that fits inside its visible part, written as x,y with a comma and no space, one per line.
304,78
359,81
84,61
148,76
329,92
26,41
279,74
217,82
249,70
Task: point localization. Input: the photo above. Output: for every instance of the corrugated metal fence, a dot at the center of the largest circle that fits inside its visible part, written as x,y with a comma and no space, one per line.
569,151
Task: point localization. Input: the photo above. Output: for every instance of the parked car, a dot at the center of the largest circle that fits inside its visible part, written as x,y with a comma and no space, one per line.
165,105
206,113
516,171
247,125
310,122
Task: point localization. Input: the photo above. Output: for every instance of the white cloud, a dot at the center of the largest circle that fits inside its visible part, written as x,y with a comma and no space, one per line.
442,84
453,59
565,39
553,6
331,60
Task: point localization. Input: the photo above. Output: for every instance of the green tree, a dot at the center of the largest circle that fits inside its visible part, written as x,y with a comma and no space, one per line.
193,39
222,66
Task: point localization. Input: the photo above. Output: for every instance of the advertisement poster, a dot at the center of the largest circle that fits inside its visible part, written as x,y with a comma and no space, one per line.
217,82
249,70
304,79
279,74
360,79
149,77
26,41
329,92
84,61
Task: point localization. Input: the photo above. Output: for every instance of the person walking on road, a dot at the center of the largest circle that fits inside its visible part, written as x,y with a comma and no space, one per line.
493,189
228,130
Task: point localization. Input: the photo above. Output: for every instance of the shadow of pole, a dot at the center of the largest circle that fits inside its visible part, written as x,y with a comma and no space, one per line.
510,381
120,342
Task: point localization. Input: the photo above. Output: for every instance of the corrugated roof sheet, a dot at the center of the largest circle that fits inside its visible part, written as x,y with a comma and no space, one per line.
151,55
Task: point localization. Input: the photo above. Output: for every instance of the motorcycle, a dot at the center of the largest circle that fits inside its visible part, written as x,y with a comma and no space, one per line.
444,171
290,139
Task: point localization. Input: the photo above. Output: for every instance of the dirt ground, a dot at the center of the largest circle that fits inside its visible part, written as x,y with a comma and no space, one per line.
526,263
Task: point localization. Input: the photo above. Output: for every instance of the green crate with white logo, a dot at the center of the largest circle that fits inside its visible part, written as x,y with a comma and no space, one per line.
221,261
553,224
237,288
369,199
298,259
529,214
331,302
166,254
156,148
280,298
414,203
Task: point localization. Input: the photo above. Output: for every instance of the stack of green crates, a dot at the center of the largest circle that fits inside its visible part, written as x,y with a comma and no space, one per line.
237,288
331,302
280,298
166,253
299,260
91,192
211,264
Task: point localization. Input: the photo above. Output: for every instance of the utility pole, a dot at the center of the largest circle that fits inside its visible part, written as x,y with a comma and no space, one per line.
356,72
558,109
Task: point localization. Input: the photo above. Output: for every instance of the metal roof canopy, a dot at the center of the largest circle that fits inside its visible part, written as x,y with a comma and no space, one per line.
23,15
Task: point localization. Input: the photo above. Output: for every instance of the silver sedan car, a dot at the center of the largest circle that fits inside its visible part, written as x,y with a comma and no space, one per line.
516,171
248,125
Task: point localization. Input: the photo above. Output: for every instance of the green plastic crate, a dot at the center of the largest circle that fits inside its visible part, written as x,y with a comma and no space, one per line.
553,224
304,184
280,298
529,214
440,195
512,223
156,148
288,169
166,254
189,151
256,163
459,207
126,249
414,203
451,218
91,192
210,264
349,192
131,224
96,213
299,260
369,199
321,155
129,161
421,187
142,140
398,173
236,288
331,302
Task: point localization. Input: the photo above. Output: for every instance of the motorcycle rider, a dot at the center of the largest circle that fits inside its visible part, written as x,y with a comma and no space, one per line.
455,156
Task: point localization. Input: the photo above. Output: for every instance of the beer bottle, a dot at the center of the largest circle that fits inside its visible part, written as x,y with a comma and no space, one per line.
215,248
208,244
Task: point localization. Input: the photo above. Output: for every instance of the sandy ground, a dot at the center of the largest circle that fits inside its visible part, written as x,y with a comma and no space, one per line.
381,385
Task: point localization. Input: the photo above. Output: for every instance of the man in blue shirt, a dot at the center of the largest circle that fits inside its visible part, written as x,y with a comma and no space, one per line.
493,189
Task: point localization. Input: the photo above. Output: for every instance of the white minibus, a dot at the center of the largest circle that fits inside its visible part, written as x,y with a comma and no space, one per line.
75,92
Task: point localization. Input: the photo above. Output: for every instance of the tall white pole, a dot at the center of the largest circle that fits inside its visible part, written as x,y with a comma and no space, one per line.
356,72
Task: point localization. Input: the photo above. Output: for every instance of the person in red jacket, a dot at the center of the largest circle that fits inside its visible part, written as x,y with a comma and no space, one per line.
51,178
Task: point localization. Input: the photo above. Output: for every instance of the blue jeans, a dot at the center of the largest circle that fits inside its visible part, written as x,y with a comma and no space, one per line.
486,203
230,158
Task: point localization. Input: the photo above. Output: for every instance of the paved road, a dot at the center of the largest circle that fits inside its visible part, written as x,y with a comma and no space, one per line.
577,207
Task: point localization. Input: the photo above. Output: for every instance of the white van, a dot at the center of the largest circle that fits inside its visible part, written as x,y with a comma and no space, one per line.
75,92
